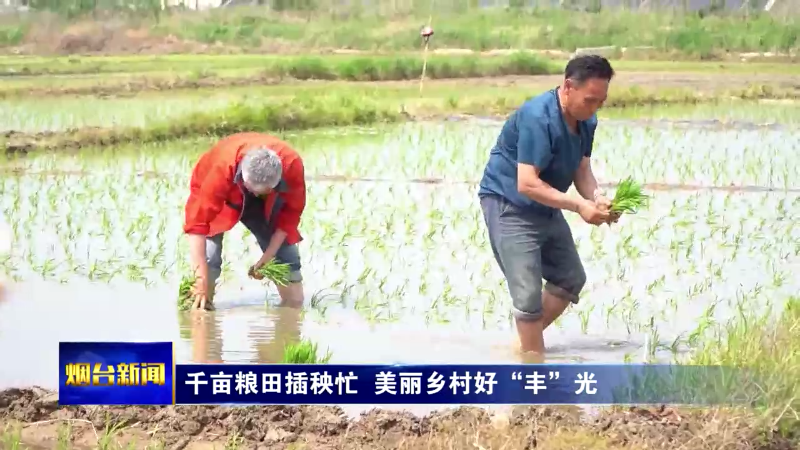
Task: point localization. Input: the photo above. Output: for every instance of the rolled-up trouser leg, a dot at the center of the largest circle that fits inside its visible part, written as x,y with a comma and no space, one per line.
214,261
561,264
516,243
530,247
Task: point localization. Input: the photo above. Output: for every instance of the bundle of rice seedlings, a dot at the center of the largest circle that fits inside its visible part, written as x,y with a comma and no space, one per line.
185,299
276,272
303,352
629,197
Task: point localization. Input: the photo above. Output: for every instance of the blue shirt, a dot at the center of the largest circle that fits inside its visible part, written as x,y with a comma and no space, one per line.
537,134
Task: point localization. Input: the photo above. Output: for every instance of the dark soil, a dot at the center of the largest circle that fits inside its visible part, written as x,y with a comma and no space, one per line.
39,417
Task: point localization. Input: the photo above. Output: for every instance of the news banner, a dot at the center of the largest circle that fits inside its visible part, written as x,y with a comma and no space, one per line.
126,373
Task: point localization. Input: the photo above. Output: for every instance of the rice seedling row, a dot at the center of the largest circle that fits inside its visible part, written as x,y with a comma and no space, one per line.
417,254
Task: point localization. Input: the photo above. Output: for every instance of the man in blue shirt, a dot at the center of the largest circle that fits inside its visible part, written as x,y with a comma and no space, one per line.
543,148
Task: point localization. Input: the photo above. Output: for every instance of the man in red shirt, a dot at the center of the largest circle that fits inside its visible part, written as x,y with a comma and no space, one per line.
255,179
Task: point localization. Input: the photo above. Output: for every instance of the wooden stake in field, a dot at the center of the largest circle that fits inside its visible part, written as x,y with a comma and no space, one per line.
426,34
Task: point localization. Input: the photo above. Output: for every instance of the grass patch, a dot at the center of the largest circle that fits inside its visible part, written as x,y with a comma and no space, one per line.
332,26
12,34
330,67
395,27
769,350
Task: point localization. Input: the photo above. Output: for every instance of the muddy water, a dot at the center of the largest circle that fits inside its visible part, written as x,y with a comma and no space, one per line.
35,317
396,271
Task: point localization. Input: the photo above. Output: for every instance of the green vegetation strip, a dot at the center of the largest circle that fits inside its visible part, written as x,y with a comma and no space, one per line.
331,67
161,73
326,25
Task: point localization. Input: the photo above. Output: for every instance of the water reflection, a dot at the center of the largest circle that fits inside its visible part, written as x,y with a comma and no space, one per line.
286,330
269,330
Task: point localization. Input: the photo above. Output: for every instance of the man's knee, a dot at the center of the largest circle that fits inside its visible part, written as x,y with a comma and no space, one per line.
295,276
527,304
569,284
525,287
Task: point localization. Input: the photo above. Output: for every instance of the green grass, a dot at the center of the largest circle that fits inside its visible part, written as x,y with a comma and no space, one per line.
497,29
167,73
396,28
330,67
770,350
691,35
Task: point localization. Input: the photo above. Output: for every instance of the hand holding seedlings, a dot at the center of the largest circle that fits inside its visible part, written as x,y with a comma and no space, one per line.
201,296
274,271
192,294
592,214
604,204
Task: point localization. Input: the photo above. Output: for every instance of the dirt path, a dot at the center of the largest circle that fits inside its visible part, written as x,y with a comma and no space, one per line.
33,417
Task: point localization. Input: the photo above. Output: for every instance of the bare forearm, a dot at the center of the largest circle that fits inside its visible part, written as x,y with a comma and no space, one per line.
197,255
278,237
547,195
586,184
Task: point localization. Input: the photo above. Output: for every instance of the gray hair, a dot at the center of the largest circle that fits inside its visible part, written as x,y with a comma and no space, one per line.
261,167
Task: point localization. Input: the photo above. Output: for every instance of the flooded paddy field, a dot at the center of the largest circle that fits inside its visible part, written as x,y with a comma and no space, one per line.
396,261
395,248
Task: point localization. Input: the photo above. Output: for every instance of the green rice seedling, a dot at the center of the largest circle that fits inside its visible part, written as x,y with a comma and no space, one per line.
185,299
303,352
629,197
276,272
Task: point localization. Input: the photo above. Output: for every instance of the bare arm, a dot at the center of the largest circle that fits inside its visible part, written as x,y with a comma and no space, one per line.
530,185
197,255
585,182
275,242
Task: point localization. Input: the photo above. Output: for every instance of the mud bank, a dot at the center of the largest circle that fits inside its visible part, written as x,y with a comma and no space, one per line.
34,418
131,87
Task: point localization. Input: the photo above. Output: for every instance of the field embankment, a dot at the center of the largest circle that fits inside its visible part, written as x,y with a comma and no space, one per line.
36,76
260,29
302,106
34,419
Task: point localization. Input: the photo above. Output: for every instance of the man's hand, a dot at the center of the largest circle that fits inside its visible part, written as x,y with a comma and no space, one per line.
201,296
604,204
253,273
591,214
265,258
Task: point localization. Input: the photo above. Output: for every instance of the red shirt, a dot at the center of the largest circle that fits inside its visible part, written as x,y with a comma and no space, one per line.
213,188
